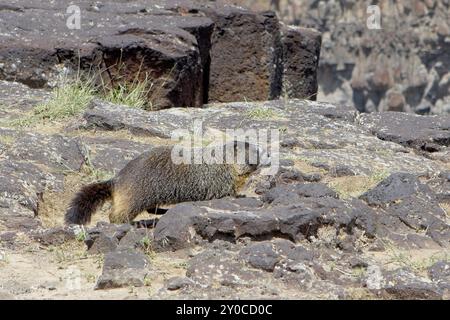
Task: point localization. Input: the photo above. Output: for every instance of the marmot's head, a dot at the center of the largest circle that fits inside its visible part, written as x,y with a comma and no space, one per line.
245,156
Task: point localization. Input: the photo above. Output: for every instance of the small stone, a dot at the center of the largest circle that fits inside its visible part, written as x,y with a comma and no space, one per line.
101,244
260,256
123,268
177,283
341,171
136,238
440,272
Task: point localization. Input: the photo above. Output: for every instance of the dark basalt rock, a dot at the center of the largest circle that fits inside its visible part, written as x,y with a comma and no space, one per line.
54,236
266,255
147,44
424,133
300,44
290,194
108,116
60,152
260,256
190,223
341,171
250,42
136,238
439,272
105,238
123,268
398,186
177,283
403,196
403,284
192,52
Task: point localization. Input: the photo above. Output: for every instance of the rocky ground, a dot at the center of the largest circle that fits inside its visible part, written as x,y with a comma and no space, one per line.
359,208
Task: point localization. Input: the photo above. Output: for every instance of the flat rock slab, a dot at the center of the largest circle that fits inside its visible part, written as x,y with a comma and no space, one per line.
405,285
322,134
427,133
111,154
161,124
403,196
189,223
17,98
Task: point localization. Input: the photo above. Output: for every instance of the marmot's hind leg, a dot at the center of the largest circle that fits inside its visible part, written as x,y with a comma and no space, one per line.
123,209
120,216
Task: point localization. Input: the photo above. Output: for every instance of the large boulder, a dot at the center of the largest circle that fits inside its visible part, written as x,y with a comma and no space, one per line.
245,56
191,52
125,46
188,224
300,44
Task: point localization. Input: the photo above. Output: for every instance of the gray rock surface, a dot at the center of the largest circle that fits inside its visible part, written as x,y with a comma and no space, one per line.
403,284
422,133
122,269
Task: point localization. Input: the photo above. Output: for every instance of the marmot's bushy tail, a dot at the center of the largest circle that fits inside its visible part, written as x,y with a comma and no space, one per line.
86,201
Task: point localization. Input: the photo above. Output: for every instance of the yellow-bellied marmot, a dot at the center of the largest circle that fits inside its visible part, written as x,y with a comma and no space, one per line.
153,179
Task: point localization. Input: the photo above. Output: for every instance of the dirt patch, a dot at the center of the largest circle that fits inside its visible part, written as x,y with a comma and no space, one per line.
68,272
416,259
305,167
54,204
351,186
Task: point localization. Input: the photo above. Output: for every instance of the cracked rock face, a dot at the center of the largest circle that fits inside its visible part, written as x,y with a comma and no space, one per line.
191,52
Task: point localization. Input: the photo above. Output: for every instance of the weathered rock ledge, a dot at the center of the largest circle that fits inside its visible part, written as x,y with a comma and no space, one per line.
192,52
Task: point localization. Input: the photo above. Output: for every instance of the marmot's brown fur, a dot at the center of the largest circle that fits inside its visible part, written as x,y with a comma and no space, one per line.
152,179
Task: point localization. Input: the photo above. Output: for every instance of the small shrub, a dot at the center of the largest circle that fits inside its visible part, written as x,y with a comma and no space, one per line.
134,95
68,100
261,113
